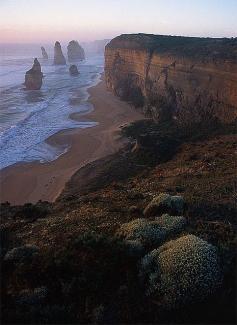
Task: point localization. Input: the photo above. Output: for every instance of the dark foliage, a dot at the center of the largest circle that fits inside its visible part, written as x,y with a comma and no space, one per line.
26,211
92,277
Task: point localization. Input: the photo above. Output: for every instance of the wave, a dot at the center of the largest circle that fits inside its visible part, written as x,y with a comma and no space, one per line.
29,118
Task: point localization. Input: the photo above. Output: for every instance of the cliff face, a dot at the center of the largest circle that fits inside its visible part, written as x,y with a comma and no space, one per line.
174,76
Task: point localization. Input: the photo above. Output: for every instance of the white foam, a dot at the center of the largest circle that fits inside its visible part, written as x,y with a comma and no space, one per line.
28,118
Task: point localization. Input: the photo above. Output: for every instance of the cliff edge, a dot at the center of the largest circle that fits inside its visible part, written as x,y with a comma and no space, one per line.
172,76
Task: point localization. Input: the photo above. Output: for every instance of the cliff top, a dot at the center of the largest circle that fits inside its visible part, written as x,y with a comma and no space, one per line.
195,47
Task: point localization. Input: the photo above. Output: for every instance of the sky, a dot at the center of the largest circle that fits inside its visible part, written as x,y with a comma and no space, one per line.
33,21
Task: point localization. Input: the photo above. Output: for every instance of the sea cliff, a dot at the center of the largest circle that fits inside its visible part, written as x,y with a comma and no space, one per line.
178,77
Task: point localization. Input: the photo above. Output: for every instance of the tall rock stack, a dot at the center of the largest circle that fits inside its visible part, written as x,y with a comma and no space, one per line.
44,53
75,52
59,58
33,77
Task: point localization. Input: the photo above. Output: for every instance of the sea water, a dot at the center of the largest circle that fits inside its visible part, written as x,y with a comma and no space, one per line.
28,118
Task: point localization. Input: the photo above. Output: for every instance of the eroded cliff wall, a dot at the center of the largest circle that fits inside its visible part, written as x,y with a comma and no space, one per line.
174,76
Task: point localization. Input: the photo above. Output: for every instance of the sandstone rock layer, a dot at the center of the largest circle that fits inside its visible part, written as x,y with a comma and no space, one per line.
175,76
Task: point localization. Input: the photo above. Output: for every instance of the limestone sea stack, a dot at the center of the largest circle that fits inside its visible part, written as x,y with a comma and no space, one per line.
59,58
33,77
73,70
75,52
44,53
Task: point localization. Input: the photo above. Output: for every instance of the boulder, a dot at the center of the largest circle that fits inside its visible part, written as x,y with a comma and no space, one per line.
44,53
21,253
165,203
34,77
75,52
182,271
73,70
59,58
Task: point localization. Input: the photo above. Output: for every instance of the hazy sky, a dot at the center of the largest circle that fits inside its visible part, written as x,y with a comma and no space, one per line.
47,20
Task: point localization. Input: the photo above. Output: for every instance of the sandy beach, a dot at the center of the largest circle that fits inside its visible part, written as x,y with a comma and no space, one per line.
30,182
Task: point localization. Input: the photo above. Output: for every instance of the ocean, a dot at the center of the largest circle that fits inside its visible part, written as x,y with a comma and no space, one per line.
28,118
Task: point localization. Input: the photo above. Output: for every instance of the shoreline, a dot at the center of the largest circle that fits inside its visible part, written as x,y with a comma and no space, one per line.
30,182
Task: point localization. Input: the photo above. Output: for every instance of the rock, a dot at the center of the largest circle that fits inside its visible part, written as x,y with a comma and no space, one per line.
181,272
165,203
34,77
44,53
75,52
21,253
73,70
59,58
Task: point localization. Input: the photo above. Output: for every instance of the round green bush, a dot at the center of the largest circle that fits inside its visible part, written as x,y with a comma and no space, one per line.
145,231
152,233
182,271
172,224
165,203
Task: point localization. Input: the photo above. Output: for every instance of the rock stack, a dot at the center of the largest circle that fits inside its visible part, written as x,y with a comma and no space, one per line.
44,53
75,52
33,77
73,70
59,58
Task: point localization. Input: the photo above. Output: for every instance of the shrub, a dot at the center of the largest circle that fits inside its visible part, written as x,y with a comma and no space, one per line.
165,203
29,210
145,231
32,297
181,271
18,254
151,233
135,248
172,224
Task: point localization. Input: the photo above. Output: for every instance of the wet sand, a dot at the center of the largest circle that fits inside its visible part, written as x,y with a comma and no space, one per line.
30,182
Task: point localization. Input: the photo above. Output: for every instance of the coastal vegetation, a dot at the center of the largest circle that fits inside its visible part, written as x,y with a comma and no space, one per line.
118,226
